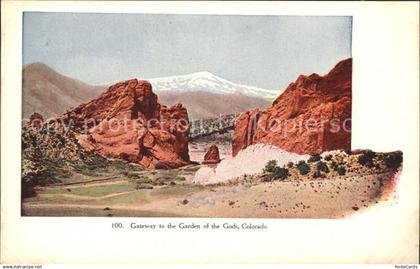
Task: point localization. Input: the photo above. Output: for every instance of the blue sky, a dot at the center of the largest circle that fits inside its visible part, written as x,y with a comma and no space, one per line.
263,51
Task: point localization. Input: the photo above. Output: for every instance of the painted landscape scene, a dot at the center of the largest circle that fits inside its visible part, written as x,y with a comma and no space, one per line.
134,115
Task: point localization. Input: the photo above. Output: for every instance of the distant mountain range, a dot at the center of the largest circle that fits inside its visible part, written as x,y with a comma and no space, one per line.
47,92
204,105
205,95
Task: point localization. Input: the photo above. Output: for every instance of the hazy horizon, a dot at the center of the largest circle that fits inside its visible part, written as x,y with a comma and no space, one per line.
262,51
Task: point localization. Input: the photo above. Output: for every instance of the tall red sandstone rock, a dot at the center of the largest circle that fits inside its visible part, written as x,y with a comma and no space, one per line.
311,116
127,122
212,155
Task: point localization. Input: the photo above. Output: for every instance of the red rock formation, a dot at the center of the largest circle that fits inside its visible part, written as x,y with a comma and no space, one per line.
212,155
127,122
131,99
36,120
311,116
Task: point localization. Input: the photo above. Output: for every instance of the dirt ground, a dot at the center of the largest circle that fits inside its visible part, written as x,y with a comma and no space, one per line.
323,198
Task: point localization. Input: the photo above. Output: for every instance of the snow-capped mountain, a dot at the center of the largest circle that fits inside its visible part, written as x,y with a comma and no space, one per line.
206,81
205,96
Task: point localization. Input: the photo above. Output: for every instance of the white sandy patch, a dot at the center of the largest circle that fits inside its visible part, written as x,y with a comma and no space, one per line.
249,161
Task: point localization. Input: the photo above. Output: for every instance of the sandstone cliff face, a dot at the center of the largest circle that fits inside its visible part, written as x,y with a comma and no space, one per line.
311,116
127,122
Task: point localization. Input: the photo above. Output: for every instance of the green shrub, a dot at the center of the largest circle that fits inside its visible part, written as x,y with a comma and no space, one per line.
275,171
270,166
179,178
140,186
322,167
281,173
314,158
394,159
161,181
328,157
303,168
133,175
366,158
334,165
341,170
144,180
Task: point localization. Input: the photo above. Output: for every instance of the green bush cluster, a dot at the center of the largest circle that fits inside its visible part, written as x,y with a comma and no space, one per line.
270,166
281,173
133,175
141,186
276,171
366,158
303,168
322,167
394,159
341,170
314,158
328,157
334,165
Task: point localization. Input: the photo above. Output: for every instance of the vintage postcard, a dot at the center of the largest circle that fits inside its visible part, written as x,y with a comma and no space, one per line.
175,130
250,117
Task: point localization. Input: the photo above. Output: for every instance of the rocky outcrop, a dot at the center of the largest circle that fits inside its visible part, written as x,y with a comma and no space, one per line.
212,155
311,116
36,120
127,122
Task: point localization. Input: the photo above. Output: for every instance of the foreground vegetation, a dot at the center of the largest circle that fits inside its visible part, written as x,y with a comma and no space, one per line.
56,157
336,164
